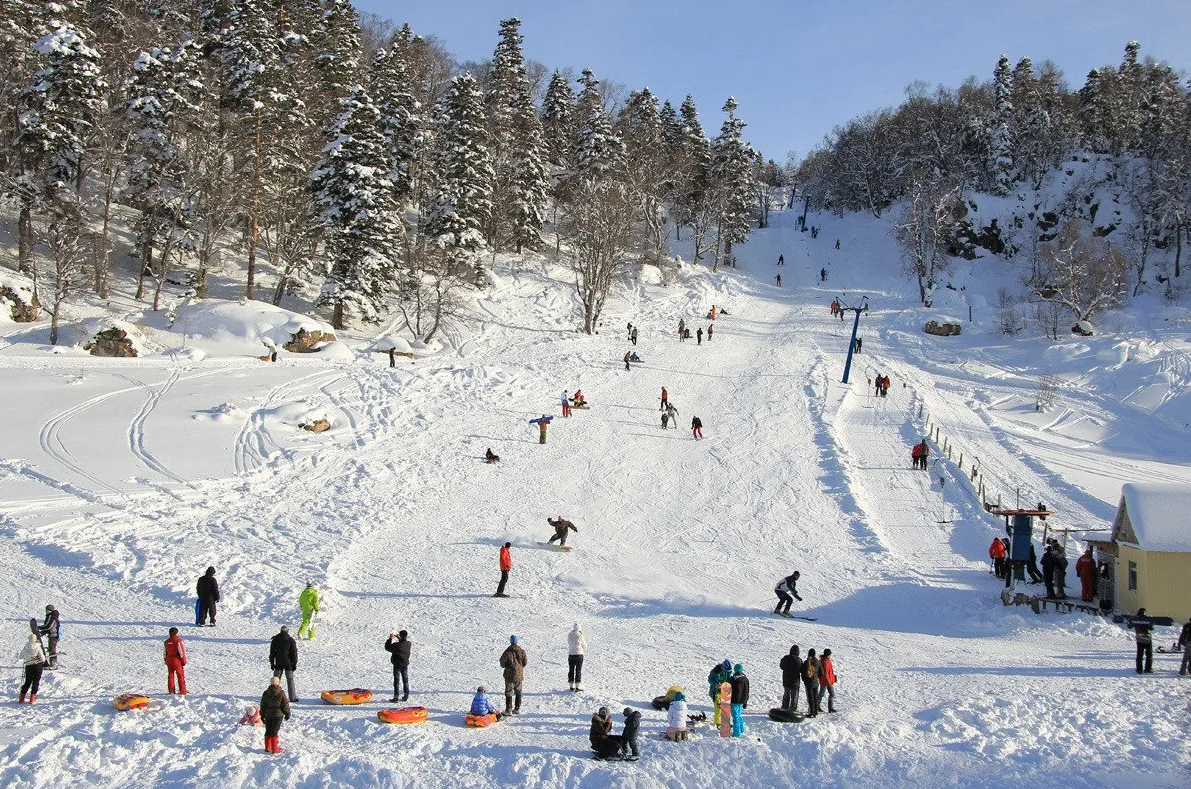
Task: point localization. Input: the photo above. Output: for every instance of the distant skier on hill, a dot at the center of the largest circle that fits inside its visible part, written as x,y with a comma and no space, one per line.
672,412
626,361
506,564
787,592
681,329
781,260
696,427
822,275
699,336
665,399
561,527
709,330
490,456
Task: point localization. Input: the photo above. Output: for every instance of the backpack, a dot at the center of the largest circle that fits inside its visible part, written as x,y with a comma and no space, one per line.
811,671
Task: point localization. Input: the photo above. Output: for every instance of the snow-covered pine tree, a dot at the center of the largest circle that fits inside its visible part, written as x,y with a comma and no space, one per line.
649,174
354,198
558,122
1000,163
337,44
693,178
1129,101
528,172
400,113
732,181
1031,125
599,153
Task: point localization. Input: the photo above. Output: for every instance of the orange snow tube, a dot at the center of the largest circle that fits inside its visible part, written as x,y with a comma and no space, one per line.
353,696
404,715
130,701
480,721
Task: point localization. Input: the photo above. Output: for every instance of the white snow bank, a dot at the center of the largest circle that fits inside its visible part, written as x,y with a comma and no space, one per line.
82,332
388,341
251,322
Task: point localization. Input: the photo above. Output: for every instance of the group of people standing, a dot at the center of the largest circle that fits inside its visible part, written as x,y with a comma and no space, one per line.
815,674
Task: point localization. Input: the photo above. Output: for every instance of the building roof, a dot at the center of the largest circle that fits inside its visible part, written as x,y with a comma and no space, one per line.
1158,513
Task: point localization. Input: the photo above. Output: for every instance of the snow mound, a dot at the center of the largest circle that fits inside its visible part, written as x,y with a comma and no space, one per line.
82,332
250,322
224,412
398,344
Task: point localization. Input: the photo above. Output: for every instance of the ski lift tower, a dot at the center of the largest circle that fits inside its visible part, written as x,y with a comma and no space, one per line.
1019,525
859,308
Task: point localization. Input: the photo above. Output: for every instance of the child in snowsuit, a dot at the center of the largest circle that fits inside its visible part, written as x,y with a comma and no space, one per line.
274,709
481,706
33,658
628,736
251,717
175,662
308,603
676,718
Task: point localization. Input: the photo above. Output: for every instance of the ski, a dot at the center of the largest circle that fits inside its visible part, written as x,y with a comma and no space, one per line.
793,616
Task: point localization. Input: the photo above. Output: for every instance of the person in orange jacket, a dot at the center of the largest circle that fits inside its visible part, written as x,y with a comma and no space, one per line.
1085,568
996,552
175,662
827,681
506,564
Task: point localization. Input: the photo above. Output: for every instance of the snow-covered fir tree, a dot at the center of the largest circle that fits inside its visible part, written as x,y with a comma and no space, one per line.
1000,165
649,174
337,43
598,151
732,181
558,121
354,197
400,113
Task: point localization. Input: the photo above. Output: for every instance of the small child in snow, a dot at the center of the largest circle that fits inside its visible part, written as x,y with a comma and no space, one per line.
251,717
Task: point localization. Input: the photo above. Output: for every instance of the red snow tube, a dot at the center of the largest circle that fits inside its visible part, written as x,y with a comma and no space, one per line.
353,696
404,715
130,701
480,721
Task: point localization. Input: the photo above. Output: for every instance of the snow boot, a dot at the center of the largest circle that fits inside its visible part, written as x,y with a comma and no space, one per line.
21,700
830,705
572,686
32,697
277,744
268,744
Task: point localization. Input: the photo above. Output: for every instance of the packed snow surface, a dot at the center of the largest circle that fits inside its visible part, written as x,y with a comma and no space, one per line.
122,480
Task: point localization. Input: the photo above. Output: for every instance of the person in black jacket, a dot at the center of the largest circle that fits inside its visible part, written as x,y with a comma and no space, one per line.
399,651
51,629
791,666
740,699
810,679
207,589
283,659
1144,627
274,708
1048,571
628,738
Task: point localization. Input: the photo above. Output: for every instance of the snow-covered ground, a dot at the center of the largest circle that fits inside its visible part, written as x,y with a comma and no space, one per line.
121,480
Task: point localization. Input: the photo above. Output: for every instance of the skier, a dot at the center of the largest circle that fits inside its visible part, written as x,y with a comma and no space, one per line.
274,709
859,344
308,603
720,673
665,419
672,412
626,361
1184,643
481,705
826,682
629,332
399,657
634,337
52,630
787,591
791,666
541,422
916,456
996,552
834,307
283,659
605,744
697,427
837,243
1144,627
877,389
489,457
699,335
781,260
506,564
207,589
779,280
628,735
566,403
33,658
513,660
923,454
1085,568
676,718
810,681
561,527
576,648
709,330
665,399
175,662
740,699
822,275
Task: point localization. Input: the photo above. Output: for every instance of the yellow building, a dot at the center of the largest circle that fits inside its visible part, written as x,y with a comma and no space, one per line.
1149,558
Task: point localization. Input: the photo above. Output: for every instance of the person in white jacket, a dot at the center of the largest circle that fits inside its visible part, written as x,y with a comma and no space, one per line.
33,657
676,719
578,646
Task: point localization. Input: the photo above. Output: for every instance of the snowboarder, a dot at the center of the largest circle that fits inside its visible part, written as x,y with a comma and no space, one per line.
822,275
778,278
541,422
626,361
566,403
1184,643
826,682
996,552
634,337
576,648
506,564
709,330
207,589
481,705
837,243
33,658
283,659
1144,627
787,591
578,399
810,681
676,718
781,260
791,666
274,708
720,673
175,662
681,329
308,603
628,735
1085,568
699,335
605,744
561,527
513,660
490,456
696,427
399,656
665,399
740,699
52,630
672,412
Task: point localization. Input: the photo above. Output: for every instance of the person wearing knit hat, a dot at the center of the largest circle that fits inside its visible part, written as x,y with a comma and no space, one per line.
740,699
513,660
274,708
577,645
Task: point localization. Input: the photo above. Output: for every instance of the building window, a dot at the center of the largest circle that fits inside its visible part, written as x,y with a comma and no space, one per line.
1132,576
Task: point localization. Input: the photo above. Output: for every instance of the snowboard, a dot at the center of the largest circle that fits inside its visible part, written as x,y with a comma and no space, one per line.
1127,620
557,547
33,627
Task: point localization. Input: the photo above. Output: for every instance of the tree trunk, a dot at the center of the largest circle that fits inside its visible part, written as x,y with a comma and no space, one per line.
25,240
254,213
337,316
163,269
1178,249
146,263
103,255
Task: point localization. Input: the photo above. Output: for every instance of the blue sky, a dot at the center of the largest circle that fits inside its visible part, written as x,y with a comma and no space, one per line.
799,68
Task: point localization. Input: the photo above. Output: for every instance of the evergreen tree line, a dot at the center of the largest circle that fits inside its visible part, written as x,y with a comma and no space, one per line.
1005,137
331,154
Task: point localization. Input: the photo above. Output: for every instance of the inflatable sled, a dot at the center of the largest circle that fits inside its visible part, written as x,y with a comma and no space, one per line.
663,702
130,701
353,696
481,721
404,715
785,716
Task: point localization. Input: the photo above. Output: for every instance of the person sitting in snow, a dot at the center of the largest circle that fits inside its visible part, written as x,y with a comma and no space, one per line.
481,705
578,399
605,744
251,717
676,718
491,457
635,358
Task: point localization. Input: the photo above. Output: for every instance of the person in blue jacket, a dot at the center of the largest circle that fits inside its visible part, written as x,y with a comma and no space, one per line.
720,673
480,705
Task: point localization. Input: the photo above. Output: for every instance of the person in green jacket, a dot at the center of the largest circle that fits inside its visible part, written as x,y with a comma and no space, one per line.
308,602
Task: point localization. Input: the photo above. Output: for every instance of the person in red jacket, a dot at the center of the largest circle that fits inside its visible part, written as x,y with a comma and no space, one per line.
916,456
1085,568
506,564
175,662
665,399
827,680
996,552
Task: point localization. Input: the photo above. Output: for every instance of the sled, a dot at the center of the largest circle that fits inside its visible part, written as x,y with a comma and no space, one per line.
352,696
785,716
404,715
1172,649
557,547
481,721
198,606
584,407
130,701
